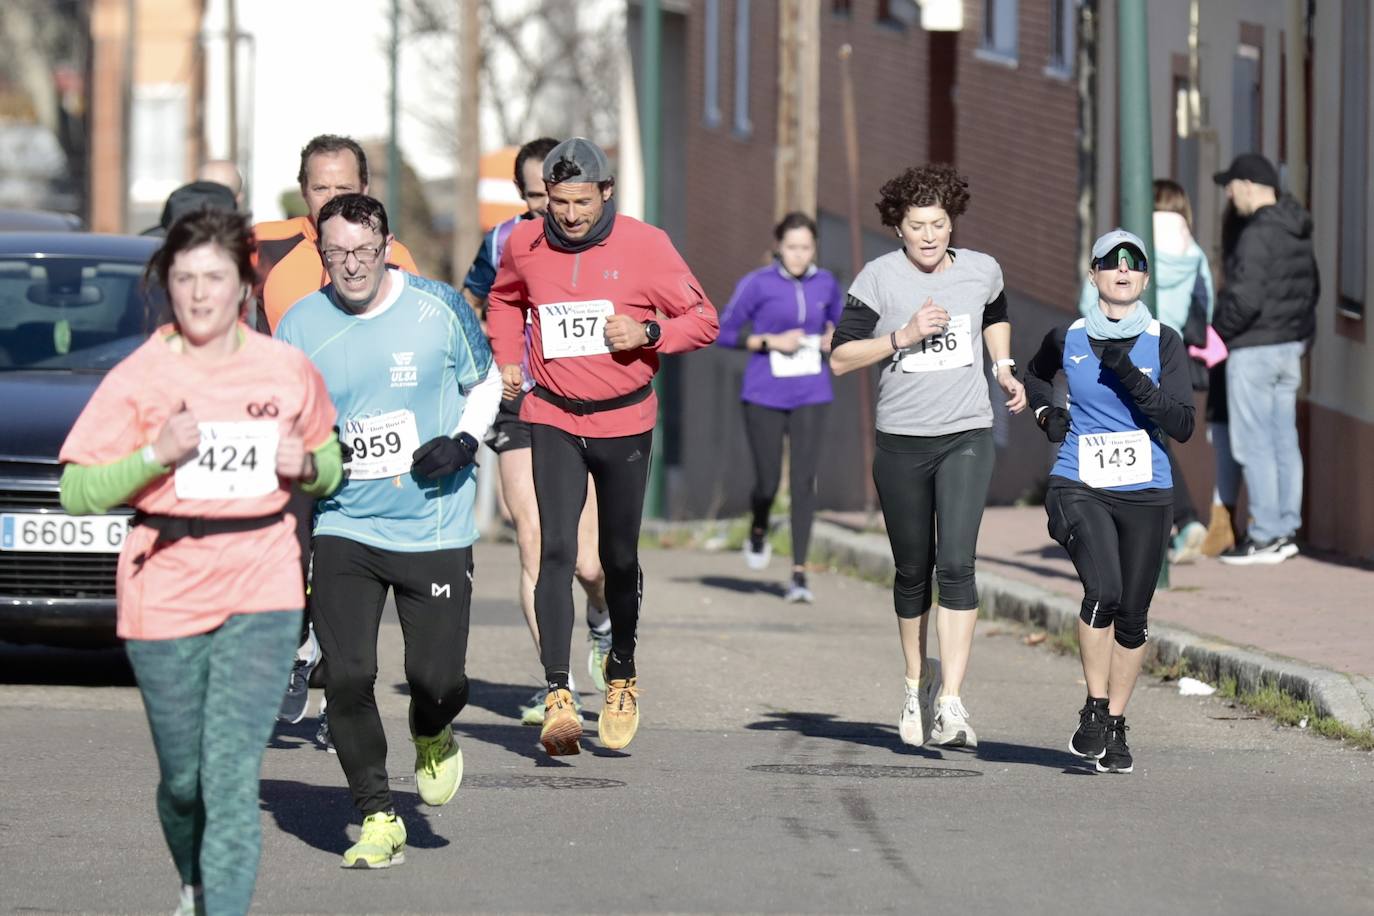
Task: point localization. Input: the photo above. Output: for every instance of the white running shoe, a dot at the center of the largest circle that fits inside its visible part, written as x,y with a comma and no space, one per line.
914,723
757,554
951,727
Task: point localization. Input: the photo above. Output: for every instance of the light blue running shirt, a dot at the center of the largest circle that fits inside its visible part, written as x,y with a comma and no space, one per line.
421,350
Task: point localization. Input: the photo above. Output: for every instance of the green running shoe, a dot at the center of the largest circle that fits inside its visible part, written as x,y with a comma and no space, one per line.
596,657
438,766
382,844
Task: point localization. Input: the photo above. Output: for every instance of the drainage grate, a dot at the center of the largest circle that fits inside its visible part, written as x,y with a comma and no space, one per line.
862,771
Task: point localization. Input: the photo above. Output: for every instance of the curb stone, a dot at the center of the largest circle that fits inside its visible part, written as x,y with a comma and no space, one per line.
1347,698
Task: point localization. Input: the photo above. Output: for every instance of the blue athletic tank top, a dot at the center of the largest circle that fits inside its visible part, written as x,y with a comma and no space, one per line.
1099,405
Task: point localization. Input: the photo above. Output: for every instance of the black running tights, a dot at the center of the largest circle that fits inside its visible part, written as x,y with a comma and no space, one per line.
620,468
765,428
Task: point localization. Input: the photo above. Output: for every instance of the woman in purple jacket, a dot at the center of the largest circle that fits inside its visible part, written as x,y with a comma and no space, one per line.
784,315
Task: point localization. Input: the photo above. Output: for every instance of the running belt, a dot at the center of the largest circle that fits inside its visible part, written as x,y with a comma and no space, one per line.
583,408
171,528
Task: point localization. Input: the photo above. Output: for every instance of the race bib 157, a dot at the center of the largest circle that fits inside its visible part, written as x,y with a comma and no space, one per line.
575,328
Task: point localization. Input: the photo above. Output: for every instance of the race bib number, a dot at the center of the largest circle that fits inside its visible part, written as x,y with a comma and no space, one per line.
1115,459
383,446
805,361
950,350
575,328
235,460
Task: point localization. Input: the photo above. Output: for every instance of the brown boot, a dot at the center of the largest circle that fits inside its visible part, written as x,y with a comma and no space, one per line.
1219,537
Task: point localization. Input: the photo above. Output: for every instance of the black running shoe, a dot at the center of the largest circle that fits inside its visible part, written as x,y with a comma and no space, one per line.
1090,740
1117,758
297,698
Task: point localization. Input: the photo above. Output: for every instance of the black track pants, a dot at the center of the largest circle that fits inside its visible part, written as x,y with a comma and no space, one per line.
433,601
1117,546
932,490
765,428
620,468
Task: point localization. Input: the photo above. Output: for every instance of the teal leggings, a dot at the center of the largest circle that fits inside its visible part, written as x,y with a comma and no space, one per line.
211,701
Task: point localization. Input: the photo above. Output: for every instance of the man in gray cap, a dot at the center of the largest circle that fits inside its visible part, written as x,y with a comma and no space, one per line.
593,285
1266,313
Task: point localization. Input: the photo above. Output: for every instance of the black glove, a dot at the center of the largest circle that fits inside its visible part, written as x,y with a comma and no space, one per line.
443,455
345,452
1118,359
1055,422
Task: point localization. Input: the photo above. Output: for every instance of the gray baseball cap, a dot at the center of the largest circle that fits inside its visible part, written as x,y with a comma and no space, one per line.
585,162
1116,237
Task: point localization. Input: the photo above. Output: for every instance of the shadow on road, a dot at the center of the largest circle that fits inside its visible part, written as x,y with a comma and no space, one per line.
740,586
319,816
872,734
26,664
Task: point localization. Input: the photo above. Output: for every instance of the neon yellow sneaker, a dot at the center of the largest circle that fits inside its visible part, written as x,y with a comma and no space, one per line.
438,766
562,732
596,656
382,844
620,716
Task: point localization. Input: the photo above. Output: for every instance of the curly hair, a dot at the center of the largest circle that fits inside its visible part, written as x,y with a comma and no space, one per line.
934,185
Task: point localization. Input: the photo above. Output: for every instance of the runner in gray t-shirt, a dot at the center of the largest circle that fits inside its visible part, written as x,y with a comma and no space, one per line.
919,312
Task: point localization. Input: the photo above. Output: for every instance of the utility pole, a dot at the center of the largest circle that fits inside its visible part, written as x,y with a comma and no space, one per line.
1137,163
1295,41
393,149
795,163
651,128
856,260
232,74
467,231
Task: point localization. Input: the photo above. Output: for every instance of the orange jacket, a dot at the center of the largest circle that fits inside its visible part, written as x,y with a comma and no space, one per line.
289,266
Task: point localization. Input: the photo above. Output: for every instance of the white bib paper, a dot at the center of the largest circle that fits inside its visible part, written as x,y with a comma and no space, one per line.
575,328
1115,459
383,446
235,460
950,350
805,361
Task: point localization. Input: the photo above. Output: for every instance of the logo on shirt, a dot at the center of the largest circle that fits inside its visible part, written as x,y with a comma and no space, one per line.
1078,359
403,374
610,275
1148,370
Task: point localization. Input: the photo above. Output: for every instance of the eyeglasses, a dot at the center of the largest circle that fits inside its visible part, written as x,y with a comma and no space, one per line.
336,256
1112,259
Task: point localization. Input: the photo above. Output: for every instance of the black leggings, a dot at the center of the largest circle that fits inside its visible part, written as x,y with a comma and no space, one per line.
620,468
765,428
433,600
932,490
1118,548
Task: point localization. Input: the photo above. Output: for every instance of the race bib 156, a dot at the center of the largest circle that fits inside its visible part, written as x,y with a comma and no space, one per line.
950,350
235,460
575,328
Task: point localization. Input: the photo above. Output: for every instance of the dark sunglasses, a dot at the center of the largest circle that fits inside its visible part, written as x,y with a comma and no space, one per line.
1112,259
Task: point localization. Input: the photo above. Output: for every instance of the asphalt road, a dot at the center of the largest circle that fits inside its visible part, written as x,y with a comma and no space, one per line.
767,777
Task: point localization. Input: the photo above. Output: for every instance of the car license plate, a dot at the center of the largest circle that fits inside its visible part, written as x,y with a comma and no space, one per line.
53,532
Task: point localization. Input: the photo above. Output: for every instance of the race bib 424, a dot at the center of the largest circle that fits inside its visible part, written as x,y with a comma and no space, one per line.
235,460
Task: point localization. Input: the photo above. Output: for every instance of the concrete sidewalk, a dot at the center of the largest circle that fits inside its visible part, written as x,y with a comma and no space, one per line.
1306,624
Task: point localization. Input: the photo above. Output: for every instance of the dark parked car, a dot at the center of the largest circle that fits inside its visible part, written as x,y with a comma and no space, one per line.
38,221
72,305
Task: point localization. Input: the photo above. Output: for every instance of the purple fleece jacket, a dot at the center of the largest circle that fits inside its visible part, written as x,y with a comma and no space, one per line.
771,301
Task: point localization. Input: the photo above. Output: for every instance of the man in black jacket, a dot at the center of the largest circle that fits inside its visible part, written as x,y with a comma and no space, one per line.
1266,313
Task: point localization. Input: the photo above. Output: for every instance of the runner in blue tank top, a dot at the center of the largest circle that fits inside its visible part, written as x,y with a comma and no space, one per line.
1110,496
411,373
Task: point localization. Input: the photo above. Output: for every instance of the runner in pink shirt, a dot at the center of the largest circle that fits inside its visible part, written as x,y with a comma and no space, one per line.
204,430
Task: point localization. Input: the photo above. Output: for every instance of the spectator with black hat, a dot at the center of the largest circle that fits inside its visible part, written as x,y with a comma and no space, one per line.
1266,314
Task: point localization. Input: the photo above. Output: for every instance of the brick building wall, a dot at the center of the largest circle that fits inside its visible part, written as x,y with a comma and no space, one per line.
1014,137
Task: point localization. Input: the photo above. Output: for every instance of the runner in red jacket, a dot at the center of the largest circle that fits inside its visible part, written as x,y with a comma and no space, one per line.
594,283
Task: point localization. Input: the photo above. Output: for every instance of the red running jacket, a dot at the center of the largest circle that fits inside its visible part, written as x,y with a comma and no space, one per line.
640,272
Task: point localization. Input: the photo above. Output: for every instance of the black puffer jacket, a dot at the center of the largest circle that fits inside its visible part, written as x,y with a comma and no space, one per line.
1270,294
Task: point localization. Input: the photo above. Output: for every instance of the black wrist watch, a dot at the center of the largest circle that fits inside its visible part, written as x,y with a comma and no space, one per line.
653,331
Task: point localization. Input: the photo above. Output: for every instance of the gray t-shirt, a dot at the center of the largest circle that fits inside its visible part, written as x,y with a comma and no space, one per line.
938,386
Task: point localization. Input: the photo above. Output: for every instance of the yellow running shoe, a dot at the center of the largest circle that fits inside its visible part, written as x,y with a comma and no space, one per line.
562,732
620,716
382,844
438,766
